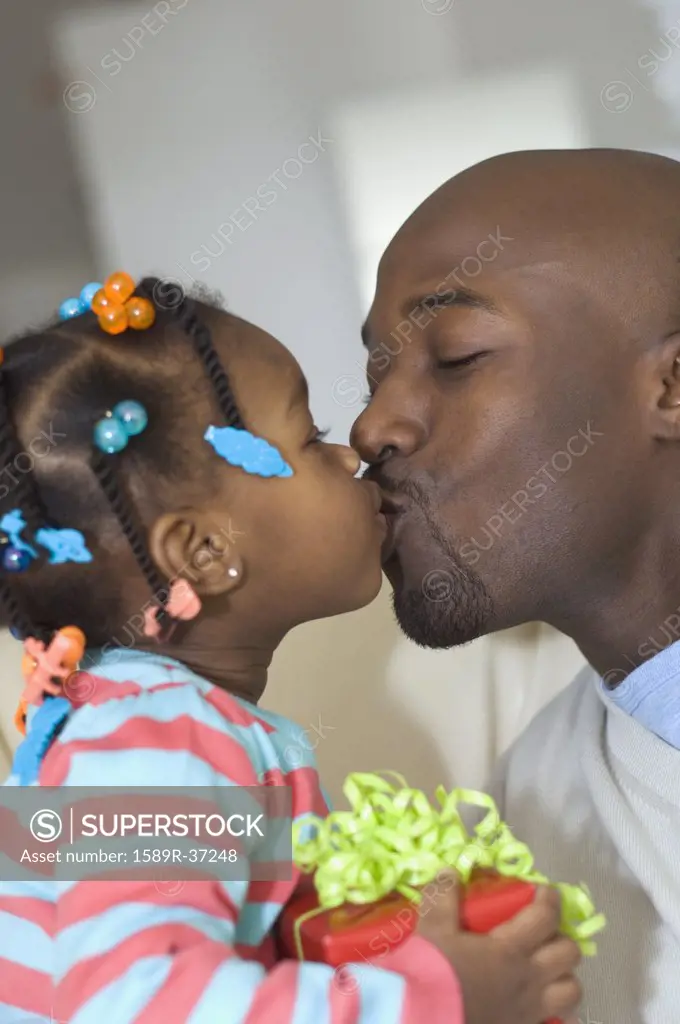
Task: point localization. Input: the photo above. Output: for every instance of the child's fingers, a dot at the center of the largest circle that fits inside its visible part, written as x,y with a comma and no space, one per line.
535,925
561,998
557,958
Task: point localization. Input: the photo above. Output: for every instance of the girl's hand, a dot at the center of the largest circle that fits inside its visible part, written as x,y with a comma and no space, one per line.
521,973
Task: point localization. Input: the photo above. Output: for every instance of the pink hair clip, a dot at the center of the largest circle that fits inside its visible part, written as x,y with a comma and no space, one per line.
183,603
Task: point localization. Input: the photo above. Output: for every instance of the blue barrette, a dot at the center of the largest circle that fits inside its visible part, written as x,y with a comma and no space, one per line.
126,420
76,307
45,723
63,545
253,454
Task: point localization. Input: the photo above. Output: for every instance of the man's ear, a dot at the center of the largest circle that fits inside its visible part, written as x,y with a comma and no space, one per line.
191,545
667,419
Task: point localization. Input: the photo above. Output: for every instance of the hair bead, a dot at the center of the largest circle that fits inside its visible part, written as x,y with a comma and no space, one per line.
110,435
70,308
141,313
119,287
132,415
88,293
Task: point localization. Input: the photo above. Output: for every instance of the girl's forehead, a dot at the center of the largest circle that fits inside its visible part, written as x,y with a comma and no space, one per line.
260,366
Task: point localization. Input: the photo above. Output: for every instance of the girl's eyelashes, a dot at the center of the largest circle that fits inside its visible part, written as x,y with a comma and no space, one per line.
319,435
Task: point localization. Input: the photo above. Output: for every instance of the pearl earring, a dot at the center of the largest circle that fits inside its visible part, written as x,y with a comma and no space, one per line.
233,573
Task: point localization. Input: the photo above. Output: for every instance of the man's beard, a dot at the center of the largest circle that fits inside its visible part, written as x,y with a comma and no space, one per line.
452,605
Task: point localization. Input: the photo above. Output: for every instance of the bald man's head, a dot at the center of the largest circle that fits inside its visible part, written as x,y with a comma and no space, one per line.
522,351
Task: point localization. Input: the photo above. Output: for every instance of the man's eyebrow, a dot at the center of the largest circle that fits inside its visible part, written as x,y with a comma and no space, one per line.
461,297
465,297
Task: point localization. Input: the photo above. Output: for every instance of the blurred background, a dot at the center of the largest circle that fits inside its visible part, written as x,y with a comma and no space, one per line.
269,149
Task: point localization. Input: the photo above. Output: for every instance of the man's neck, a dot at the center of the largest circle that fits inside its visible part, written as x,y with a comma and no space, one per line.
618,633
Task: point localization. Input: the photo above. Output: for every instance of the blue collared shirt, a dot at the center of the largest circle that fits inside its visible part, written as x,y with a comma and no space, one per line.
651,694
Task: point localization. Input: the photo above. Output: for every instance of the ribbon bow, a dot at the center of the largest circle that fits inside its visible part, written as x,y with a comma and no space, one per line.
393,839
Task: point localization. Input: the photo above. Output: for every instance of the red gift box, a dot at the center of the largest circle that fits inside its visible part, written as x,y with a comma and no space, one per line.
352,932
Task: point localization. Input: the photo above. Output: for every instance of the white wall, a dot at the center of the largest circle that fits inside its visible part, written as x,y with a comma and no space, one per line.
206,111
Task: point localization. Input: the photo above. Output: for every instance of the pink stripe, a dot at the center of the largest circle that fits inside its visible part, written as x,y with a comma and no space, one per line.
345,1000
220,751
25,988
85,688
230,709
306,792
87,899
30,908
89,976
275,999
278,891
433,992
189,977
265,954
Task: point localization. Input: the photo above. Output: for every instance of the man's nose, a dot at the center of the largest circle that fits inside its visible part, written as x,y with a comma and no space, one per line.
383,431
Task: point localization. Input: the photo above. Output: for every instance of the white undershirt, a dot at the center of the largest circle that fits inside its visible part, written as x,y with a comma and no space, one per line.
596,795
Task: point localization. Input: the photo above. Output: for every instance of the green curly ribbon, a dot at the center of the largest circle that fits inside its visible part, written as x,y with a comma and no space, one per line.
394,840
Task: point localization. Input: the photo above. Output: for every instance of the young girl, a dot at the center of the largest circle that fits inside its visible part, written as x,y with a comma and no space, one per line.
184,552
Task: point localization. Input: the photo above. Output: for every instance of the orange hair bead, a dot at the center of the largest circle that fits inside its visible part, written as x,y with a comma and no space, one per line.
141,313
119,286
101,302
114,320
77,650
20,717
28,664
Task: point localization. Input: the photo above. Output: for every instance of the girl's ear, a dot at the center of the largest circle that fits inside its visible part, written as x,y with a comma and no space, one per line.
191,545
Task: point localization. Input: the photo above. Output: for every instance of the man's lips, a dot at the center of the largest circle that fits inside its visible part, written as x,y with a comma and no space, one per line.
392,507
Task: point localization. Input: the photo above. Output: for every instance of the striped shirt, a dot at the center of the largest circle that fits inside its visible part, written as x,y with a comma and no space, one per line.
123,951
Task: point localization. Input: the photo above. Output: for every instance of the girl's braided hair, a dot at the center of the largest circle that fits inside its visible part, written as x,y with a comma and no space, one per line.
54,386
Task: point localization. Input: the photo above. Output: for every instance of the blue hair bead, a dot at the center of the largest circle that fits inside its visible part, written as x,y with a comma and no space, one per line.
133,416
110,435
89,292
16,559
71,308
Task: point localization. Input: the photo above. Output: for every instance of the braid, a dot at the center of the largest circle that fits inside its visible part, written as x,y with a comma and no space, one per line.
124,512
27,497
29,502
184,312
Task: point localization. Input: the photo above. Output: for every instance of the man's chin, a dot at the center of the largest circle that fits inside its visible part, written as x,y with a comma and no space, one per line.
445,611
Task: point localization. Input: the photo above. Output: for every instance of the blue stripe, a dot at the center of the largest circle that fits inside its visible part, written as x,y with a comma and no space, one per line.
92,722
312,999
24,943
286,750
35,889
123,665
142,766
229,994
255,921
382,994
125,998
103,932
11,1015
